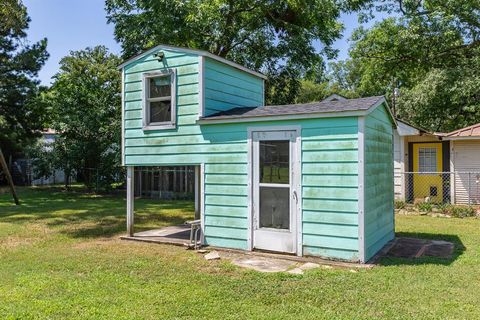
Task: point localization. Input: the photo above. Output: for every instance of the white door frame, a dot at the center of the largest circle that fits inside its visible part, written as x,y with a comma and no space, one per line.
297,185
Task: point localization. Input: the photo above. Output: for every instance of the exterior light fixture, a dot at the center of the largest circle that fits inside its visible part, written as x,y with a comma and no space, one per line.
159,55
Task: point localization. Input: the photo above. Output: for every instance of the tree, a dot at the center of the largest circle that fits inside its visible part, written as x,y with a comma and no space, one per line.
20,118
86,111
429,50
275,37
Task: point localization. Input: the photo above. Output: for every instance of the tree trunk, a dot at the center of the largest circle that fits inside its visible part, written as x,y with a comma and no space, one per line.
3,164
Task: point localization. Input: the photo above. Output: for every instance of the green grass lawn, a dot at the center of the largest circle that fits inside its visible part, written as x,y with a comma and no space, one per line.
60,257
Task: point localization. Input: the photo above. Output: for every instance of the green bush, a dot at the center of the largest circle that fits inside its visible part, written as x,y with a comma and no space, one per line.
399,204
425,207
445,208
462,211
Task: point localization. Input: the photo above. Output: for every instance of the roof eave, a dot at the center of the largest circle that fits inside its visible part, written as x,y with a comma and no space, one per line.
381,101
456,138
297,116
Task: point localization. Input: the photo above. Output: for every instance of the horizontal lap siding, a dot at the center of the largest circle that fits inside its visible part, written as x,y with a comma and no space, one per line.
329,153
379,184
330,188
330,194
227,87
223,149
163,147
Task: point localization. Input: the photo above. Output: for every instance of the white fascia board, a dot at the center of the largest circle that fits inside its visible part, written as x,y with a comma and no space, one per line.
460,138
379,103
361,189
201,86
122,144
193,51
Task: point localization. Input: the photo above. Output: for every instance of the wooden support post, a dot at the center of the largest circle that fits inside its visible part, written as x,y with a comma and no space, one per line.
130,199
3,165
197,192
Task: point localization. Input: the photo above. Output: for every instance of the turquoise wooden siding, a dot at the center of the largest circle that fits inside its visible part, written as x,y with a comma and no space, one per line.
379,212
329,155
330,187
227,87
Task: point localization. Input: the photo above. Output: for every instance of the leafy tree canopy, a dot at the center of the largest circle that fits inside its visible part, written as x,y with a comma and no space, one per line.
275,37
85,104
20,117
430,50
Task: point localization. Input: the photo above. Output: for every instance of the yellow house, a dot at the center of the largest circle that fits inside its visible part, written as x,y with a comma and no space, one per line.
437,167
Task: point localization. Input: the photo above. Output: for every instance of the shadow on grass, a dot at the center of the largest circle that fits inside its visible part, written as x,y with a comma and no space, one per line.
458,250
84,215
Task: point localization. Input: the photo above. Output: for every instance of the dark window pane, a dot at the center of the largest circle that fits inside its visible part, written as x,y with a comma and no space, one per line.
274,161
275,207
160,86
160,111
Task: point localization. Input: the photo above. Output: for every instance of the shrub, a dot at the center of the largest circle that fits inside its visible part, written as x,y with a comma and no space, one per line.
399,204
445,208
462,211
425,206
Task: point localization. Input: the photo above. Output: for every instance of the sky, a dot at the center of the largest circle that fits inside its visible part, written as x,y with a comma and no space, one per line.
71,25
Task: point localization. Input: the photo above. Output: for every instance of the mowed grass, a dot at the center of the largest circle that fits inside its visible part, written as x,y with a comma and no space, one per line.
60,257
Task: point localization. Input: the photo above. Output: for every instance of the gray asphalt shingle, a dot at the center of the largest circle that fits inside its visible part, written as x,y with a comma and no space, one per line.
360,104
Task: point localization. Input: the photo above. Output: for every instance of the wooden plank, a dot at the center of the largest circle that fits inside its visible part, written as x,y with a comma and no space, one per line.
330,217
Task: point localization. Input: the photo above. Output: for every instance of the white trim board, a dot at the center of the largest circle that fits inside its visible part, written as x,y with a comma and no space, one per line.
193,51
297,167
202,203
122,143
201,86
361,189
147,125
460,138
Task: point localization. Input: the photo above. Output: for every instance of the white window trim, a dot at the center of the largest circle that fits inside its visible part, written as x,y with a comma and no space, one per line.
146,110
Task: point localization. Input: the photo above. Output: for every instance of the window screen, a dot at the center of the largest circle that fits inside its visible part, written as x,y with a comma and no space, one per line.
427,160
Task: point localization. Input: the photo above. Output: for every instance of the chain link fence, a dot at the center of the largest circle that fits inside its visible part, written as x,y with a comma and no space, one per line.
439,187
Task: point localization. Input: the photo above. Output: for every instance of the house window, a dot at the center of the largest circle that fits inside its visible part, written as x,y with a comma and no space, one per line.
427,160
159,100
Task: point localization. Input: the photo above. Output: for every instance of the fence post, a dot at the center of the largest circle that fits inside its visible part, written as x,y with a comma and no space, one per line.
469,185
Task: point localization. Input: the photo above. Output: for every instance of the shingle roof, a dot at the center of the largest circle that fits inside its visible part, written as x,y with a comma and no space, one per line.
338,106
472,131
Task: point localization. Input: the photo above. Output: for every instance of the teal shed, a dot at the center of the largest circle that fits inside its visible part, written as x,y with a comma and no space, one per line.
310,179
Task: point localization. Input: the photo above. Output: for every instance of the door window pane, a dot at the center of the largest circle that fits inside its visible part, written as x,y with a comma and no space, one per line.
275,207
427,159
274,161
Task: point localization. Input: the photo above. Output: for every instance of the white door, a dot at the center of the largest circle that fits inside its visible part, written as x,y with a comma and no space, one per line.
275,198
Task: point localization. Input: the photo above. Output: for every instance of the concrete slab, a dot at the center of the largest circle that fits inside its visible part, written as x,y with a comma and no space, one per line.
179,232
263,264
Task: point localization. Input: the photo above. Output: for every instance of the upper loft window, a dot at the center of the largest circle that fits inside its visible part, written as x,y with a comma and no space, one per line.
159,100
